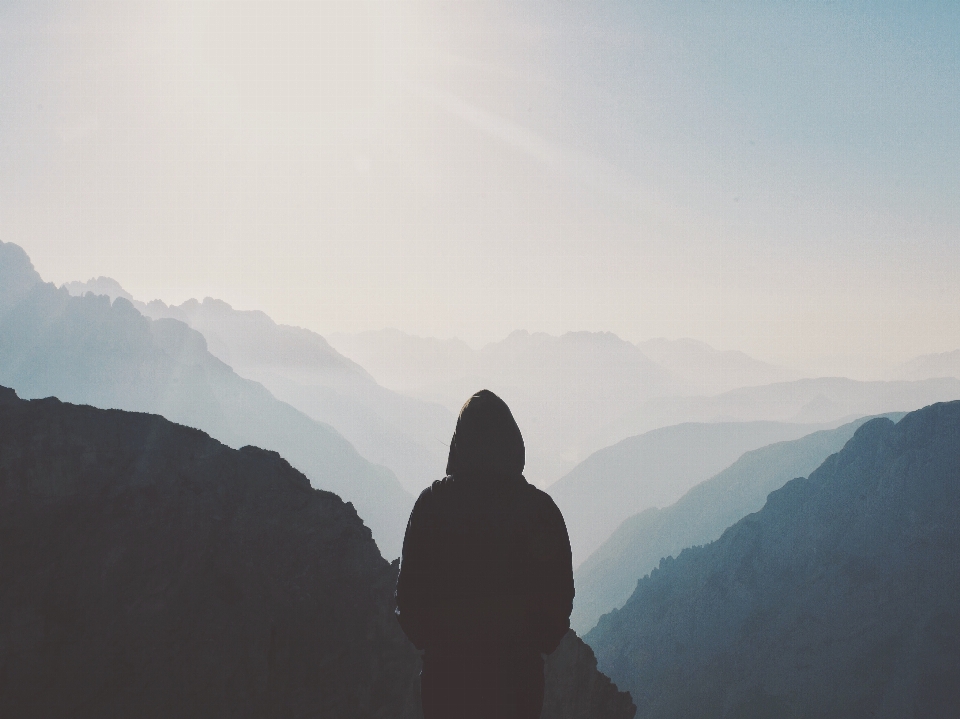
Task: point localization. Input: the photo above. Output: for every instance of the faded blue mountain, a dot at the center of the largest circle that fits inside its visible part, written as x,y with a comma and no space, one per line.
91,351
839,599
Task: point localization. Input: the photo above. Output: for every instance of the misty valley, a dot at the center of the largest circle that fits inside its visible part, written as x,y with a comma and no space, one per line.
202,512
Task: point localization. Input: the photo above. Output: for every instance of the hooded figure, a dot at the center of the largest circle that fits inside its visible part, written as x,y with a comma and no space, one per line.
486,580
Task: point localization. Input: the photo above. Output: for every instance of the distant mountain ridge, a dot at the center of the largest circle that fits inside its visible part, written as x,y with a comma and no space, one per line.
560,389
607,578
583,391
99,286
87,350
426,366
148,570
703,370
840,598
418,366
811,400
650,470
301,368
931,366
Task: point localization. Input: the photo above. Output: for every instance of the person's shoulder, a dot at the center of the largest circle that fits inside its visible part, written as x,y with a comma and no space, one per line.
544,516
536,493
435,489
430,500
541,500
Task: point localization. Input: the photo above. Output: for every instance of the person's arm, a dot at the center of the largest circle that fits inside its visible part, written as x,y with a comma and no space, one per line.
414,584
554,580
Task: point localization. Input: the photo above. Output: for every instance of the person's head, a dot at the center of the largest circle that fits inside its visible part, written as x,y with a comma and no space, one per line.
487,439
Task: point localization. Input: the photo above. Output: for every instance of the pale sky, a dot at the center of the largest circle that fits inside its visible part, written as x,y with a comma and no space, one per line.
780,178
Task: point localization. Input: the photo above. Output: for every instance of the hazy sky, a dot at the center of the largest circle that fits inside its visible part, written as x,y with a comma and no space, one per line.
782,178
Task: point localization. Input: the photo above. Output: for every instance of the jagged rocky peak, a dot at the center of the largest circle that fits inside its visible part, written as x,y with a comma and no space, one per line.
17,276
148,570
98,286
840,598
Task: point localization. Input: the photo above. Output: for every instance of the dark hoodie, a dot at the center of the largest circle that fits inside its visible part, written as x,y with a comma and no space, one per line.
486,574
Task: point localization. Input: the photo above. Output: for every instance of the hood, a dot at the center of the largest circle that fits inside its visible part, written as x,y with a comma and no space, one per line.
487,439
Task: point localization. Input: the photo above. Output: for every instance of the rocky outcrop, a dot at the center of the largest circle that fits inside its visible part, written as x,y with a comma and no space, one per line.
574,689
840,598
148,570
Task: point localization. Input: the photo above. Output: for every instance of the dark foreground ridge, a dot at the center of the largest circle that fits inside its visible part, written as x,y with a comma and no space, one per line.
148,570
840,598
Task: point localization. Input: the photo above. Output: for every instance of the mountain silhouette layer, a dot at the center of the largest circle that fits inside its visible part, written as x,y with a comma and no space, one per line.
652,470
583,391
840,598
301,368
702,370
812,400
607,578
149,570
942,364
560,389
91,351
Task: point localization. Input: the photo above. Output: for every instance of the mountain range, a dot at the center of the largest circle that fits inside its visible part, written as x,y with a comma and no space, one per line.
839,598
561,390
437,368
583,391
930,366
91,351
607,578
702,370
148,570
811,400
652,470
127,541
298,366
572,395
564,391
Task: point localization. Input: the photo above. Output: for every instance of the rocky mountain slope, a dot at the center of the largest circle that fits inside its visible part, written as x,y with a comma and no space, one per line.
652,470
840,598
87,350
299,367
608,576
148,570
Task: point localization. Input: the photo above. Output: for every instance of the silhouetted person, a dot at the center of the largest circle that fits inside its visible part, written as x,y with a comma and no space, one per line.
486,581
